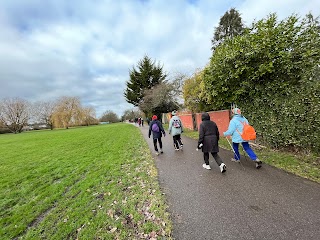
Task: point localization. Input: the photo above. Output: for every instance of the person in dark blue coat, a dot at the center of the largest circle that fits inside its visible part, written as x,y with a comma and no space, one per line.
156,128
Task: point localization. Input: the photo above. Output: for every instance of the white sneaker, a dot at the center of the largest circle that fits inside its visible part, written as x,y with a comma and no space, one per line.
223,167
206,166
181,147
235,160
157,153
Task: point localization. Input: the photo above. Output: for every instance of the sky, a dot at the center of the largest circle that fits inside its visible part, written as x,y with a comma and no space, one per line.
86,48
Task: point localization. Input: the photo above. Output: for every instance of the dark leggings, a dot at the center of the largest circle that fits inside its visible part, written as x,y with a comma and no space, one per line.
214,155
155,143
177,141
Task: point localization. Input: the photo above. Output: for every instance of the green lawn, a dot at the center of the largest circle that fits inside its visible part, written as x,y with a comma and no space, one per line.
307,166
95,182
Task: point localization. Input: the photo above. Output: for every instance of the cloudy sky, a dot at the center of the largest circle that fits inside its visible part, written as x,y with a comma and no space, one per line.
86,48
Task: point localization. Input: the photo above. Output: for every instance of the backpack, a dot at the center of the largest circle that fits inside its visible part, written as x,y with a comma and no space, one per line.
176,123
248,132
155,127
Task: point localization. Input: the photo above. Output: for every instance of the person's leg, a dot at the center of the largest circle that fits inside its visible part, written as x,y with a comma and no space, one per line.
179,140
175,142
236,151
250,152
160,144
155,144
219,161
217,158
206,158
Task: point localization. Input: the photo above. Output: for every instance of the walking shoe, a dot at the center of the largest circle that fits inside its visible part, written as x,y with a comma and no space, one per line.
181,146
206,166
235,160
177,149
157,153
258,163
161,151
223,167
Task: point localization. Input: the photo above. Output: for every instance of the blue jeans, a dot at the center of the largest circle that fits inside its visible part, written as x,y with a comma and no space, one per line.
247,148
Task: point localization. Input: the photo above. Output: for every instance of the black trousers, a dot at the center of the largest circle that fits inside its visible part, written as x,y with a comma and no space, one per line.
177,141
155,140
214,155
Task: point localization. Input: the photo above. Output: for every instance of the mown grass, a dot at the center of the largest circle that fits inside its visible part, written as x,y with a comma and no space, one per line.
307,166
85,183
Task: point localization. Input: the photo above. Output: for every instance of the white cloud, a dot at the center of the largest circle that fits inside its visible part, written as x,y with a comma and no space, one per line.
86,48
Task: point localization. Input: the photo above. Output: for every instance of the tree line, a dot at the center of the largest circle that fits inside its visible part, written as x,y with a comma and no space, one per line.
270,69
65,112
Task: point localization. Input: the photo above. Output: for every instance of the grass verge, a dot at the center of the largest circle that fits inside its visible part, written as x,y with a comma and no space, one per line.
306,166
95,182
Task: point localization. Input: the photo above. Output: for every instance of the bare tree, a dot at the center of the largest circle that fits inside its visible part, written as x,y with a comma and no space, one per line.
131,114
109,116
88,116
44,112
160,99
14,113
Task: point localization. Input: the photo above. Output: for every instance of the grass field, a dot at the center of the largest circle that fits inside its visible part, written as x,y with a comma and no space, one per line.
307,166
95,182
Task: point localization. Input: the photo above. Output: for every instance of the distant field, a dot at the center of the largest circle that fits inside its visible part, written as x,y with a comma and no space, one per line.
84,183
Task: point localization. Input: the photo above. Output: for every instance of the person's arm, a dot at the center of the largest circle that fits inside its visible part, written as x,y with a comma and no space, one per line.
170,126
150,129
162,129
181,125
218,134
231,129
201,135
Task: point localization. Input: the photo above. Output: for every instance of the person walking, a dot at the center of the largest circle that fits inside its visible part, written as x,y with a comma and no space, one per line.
234,130
208,142
157,130
176,128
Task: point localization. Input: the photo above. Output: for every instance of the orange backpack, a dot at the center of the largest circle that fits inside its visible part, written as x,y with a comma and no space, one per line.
248,132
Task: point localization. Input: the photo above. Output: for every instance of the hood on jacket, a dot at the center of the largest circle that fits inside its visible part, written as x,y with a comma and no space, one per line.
205,116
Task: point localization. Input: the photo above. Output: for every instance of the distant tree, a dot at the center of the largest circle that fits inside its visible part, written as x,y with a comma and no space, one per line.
131,114
88,116
44,112
109,116
14,113
160,99
230,25
192,93
145,76
67,111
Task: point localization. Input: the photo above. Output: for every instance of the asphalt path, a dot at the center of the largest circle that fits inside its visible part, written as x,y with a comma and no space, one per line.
242,203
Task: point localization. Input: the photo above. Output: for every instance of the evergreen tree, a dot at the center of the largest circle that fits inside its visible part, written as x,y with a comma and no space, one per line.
230,25
145,76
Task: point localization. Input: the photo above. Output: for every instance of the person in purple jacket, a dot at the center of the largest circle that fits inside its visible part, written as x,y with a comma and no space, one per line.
156,128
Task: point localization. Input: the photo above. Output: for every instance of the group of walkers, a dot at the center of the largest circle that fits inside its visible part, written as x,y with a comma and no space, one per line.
208,140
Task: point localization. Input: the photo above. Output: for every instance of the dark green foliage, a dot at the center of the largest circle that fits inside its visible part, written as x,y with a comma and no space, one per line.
146,76
272,72
230,25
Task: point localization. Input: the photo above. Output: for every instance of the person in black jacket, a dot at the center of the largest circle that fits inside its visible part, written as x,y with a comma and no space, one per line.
157,130
208,141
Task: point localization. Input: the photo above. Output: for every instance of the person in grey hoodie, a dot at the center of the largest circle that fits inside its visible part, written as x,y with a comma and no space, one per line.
208,142
176,128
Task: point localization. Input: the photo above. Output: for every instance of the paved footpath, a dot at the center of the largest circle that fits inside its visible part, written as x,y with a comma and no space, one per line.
243,203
